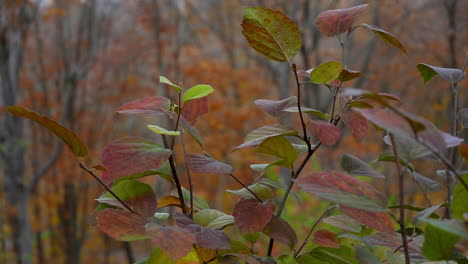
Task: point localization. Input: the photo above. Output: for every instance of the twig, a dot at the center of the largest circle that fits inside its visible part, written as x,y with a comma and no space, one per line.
105,186
401,183
246,187
188,174
304,128
329,208
178,118
176,178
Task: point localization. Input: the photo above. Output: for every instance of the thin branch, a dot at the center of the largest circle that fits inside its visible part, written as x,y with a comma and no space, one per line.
176,178
401,183
178,117
329,208
188,174
83,166
304,128
246,187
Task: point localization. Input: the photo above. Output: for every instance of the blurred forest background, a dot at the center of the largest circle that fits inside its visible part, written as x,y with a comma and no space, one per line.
77,61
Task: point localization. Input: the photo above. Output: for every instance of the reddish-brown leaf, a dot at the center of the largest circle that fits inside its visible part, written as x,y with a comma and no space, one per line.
251,216
174,241
276,108
336,21
326,238
385,36
128,156
380,221
327,133
280,230
195,108
206,165
248,259
156,105
392,240
356,123
122,225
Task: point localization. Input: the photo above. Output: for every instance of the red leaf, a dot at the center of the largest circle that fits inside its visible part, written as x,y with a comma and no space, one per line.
392,240
248,259
327,133
275,108
156,105
194,109
280,230
128,156
122,225
356,123
251,216
326,238
174,241
336,21
204,164
380,221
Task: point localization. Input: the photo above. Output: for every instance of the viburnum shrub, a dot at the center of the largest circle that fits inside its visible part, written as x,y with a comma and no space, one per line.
364,230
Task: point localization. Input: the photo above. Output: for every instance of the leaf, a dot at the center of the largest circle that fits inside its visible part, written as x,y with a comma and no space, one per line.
438,243
450,75
206,165
393,240
326,72
209,238
197,201
195,108
357,167
279,147
343,189
326,238
75,144
197,91
317,113
348,75
158,257
279,184
343,222
257,136
390,158
462,117
286,259
356,123
427,184
452,226
260,190
187,126
211,218
137,195
248,259
337,21
276,108
176,242
163,131
380,221
128,156
280,230
327,133
169,200
364,256
460,196
156,105
323,255
122,225
251,216
385,36
163,79
271,33
423,214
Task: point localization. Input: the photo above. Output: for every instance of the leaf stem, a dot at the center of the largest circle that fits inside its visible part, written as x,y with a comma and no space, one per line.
179,96
246,187
401,185
83,166
329,208
304,128
175,176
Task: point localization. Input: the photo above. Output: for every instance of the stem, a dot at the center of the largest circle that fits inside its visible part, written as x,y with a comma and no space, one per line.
188,175
304,128
105,186
178,117
401,183
176,178
329,208
246,187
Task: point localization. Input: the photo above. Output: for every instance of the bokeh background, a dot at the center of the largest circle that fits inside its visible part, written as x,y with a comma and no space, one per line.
78,60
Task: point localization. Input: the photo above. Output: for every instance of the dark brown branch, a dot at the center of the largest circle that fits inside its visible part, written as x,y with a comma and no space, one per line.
246,187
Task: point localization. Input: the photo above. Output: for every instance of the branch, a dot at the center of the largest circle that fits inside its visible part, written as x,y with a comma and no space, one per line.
188,174
401,183
246,187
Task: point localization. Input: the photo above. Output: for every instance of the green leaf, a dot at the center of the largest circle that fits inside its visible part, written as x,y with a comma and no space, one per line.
438,243
214,219
326,72
355,166
317,113
286,259
271,33
198,91
257,136
279,147
460,198
450,75
453,226
159,257
197,201
424,214
163,79
164,172
385,36
75,144
260,190
343,255
163,131
365,256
